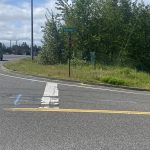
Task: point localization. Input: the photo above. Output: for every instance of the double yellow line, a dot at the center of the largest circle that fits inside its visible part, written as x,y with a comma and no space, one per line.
76,111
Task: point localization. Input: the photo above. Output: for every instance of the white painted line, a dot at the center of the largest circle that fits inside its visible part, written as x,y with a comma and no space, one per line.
86,87
106,89
118,101
5,75
50,94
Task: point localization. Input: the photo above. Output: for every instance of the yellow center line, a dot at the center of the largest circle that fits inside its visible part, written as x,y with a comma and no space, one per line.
76,111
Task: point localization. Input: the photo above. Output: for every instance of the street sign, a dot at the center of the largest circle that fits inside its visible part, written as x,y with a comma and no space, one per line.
69,29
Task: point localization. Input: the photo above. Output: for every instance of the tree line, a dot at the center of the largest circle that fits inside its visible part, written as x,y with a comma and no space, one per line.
118,31
22,49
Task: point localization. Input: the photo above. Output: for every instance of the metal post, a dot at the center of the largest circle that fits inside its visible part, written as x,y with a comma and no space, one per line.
32,29
70,45
10,44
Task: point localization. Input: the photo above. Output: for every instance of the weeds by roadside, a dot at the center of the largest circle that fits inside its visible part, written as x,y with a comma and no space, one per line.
85,73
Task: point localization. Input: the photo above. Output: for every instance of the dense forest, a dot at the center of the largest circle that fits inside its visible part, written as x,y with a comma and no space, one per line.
117,31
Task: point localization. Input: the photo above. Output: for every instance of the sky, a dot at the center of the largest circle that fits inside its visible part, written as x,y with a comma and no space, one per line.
15,20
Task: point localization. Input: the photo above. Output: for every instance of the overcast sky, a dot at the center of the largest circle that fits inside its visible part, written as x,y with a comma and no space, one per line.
15,19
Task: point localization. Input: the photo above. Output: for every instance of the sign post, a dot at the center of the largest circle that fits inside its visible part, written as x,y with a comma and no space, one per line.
69,31
93,59
70,45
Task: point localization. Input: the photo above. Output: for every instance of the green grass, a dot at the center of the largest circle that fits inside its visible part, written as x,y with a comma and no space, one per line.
87,73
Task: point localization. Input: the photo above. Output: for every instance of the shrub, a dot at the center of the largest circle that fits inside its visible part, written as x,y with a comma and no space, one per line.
78,62
113,80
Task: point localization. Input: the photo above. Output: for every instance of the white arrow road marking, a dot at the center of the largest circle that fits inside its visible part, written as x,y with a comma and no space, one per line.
50,96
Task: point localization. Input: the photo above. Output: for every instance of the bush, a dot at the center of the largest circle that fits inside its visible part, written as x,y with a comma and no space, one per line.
113,80
128,72
47,57
78,62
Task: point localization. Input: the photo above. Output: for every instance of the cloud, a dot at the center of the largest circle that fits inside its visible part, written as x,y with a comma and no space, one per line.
15,21
147,1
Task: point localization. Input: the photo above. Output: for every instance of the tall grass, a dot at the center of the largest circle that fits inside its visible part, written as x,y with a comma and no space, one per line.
87,73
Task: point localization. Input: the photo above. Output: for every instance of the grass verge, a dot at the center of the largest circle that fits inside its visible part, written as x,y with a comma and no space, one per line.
87,73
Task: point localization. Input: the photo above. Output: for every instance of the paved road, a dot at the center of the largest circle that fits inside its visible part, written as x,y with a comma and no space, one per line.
13,57
87,117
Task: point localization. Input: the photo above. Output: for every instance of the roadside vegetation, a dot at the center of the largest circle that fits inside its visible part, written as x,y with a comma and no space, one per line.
85,73
21,49
113,34
116,31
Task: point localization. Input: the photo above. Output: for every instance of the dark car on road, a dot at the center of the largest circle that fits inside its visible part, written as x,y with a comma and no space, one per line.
1,52
1,55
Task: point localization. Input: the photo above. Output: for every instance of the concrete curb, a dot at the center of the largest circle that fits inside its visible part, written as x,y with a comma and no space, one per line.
74,81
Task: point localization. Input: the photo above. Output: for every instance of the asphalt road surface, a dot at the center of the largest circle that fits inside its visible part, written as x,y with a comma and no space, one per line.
13,57
42,114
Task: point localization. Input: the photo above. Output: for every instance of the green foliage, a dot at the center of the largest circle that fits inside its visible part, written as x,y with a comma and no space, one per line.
113,80
118,31
128,72
52,43
86,73
21,49
78,62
